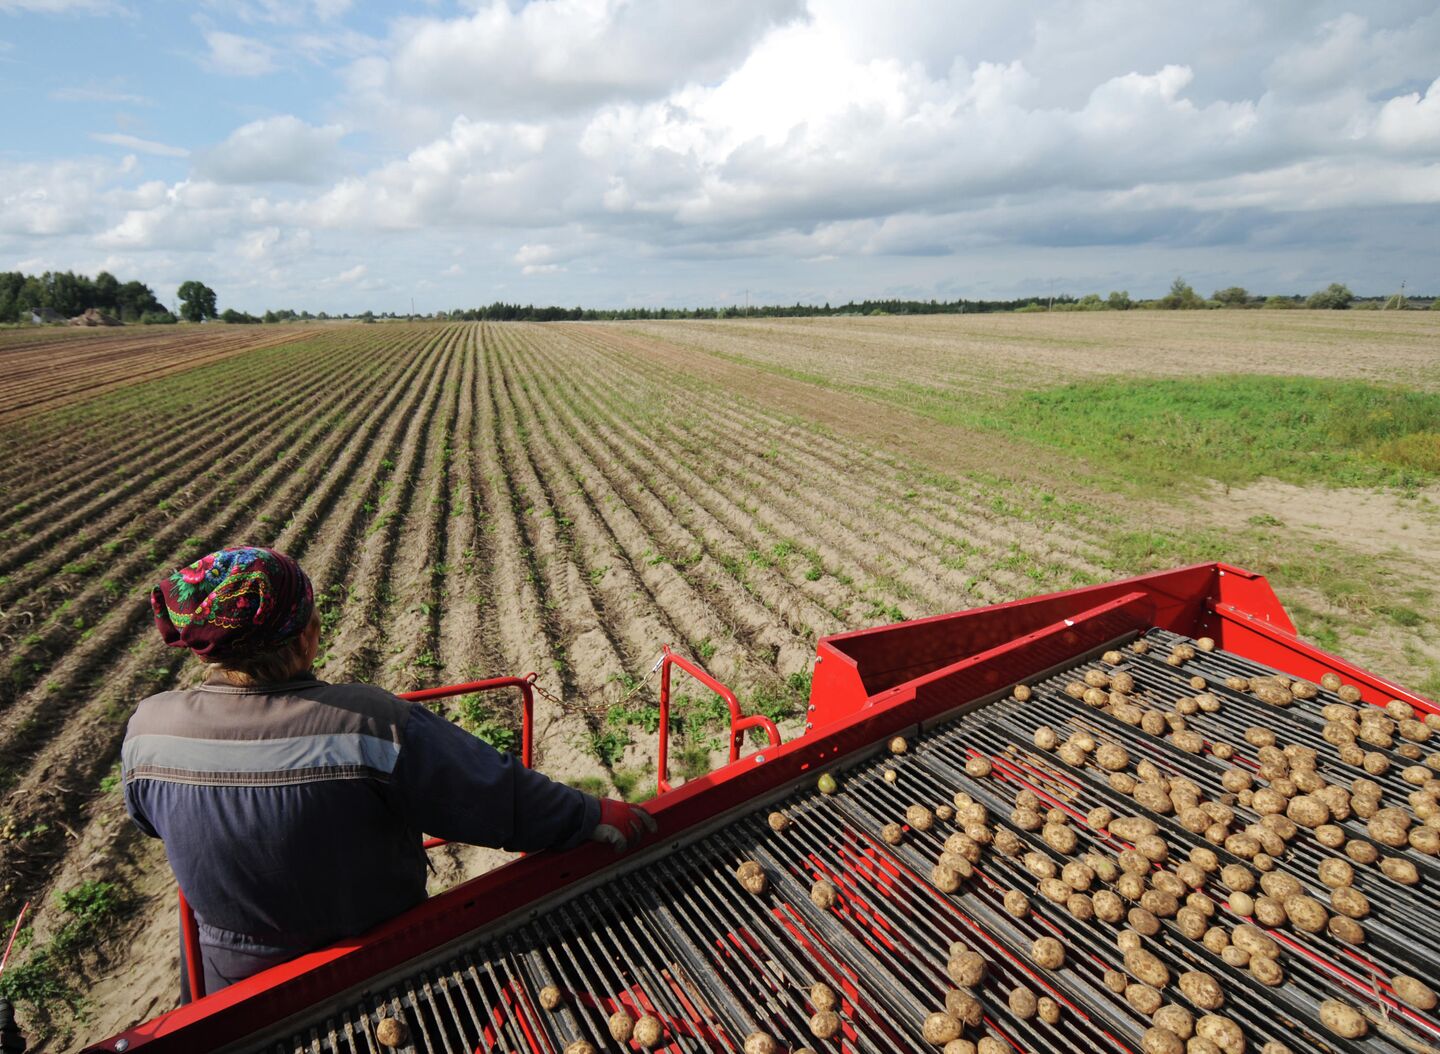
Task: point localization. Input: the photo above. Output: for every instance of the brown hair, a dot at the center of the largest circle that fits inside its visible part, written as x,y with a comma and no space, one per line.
276,665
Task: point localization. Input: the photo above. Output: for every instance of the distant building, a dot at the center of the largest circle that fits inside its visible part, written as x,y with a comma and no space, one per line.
95,317
45,315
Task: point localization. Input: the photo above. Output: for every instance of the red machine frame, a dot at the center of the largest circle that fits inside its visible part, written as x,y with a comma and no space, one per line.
868,685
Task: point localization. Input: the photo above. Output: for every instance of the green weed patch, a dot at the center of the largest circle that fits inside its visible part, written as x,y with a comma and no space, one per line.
1237,428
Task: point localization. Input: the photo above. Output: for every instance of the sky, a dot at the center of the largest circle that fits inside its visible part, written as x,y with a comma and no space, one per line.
337,155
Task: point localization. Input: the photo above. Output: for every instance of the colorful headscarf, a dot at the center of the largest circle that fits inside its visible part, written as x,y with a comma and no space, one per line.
232,602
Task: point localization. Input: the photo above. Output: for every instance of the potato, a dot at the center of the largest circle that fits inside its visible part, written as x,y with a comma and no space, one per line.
1046,738
550,997
1202,990
1237,684
1243,845
1346,929
1266,970
1254,941
1023,1003
940,1028
1236,780
1075,689
1237,877
1122,782
1021,692
1348,693
1330,835
1176,1018
1143,998
760,1043
1274,1046
957,863
1115,981
919,818
823,997
1027,819
1048,1010
1216,939
1132,828
1222,1032
962,1005
1130,885
822,895
648,1031
1108,907
1128,941
580,1046
891,776
1281,885
1097,679
978,767
967,969
621,1025
1342,1019
1154,723
1061,839
1122,681
1335,872
1308,811
1402,871
1191,923
1048,953
1158,1040
1270,912
1112,757
892,834
1201,902
1330,681
1239,958
1425,840
1361,851
1413,991
827,784
1376,764
1038,864
1160,903
825,1024
1190,742
1242,904
899,745
978,833
974,812
1153,848
1077,875
1147,968
1165,882
1205,859
390,1031
1099,818
1385,828
1143,921
752,877
1008,842
1140,647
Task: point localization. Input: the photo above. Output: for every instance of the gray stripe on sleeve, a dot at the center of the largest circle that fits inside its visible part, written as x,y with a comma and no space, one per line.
335,751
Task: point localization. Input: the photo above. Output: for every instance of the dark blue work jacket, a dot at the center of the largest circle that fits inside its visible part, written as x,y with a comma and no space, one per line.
293,814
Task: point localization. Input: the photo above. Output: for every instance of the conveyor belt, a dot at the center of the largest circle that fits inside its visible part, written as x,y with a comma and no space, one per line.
683,941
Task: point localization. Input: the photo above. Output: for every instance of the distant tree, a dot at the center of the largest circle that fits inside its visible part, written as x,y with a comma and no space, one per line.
135,300
1280,303
1091,302
197,301
157,318
1334,297
107,292
1181,296
1235,296
238,318
1119,300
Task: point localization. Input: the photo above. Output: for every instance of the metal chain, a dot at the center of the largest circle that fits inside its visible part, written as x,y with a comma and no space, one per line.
583,706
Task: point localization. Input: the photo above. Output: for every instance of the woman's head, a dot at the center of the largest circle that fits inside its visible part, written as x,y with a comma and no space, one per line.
248,610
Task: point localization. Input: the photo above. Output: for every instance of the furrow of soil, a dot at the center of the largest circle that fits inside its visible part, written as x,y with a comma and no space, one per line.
89,444
104,509
71,379
418,526
682,562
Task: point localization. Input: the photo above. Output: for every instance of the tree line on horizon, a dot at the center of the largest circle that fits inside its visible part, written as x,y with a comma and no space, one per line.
69,294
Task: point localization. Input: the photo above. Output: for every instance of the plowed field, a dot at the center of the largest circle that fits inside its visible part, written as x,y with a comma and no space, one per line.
475,500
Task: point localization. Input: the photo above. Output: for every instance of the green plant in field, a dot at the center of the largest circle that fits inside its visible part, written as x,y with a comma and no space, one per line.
704,649
592,785
42,980
608,745
692,762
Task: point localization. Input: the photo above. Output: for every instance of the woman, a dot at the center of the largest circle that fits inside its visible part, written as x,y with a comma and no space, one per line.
291,809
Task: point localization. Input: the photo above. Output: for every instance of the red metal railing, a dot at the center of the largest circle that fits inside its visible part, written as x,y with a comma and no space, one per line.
190,929
738,721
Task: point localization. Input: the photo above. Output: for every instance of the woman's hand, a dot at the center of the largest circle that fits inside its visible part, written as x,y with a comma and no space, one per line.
622,825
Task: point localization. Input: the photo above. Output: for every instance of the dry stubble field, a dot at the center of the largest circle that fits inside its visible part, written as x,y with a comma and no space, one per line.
479,499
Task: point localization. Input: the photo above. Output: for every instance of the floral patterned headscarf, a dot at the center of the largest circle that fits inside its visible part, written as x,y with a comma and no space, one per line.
233,602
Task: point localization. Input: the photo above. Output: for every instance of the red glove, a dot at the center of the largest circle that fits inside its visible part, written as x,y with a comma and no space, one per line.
622,825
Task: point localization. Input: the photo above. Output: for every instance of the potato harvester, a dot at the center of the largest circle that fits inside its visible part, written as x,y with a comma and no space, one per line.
668,931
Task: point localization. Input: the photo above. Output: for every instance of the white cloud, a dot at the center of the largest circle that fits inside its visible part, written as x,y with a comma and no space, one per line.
567,54
280,149
353,274
1412,121
237,55
143,146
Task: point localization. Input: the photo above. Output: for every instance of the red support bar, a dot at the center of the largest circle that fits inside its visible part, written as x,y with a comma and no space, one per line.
738,721
190,939
190,929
